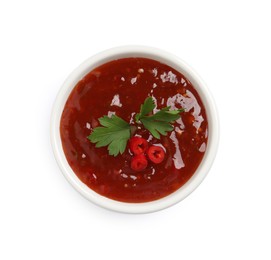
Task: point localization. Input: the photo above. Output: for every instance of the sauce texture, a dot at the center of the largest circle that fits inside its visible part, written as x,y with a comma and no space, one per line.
120,87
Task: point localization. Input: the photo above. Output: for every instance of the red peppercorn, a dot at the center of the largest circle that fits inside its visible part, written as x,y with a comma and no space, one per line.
156,154
139,162
138,145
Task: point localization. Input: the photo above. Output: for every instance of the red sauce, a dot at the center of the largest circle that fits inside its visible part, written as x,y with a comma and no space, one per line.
120,87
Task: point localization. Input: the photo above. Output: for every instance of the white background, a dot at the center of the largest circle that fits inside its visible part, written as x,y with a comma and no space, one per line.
229,45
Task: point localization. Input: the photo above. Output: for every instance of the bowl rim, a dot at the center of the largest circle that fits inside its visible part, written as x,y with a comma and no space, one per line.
164,57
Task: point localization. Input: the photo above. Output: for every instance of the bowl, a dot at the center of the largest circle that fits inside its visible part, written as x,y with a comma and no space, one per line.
161,56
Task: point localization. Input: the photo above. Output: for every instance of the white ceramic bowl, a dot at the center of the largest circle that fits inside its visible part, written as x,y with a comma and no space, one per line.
164,57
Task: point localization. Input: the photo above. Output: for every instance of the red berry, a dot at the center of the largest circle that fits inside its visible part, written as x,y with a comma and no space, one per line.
138,145
156,154
139,162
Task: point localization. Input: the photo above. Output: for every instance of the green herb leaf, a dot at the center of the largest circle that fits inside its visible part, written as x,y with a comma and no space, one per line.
114,133
146,108
167,115
156,127
159,123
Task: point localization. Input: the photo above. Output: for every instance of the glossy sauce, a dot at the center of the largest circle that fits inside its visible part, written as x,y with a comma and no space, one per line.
120,87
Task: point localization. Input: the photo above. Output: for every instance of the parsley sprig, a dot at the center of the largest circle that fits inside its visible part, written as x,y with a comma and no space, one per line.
160,122
115,132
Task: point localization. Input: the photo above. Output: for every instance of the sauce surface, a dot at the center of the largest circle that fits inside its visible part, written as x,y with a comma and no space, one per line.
120,87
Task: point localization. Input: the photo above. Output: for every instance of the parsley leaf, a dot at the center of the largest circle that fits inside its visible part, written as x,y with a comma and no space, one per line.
159,123
114,133
146,108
